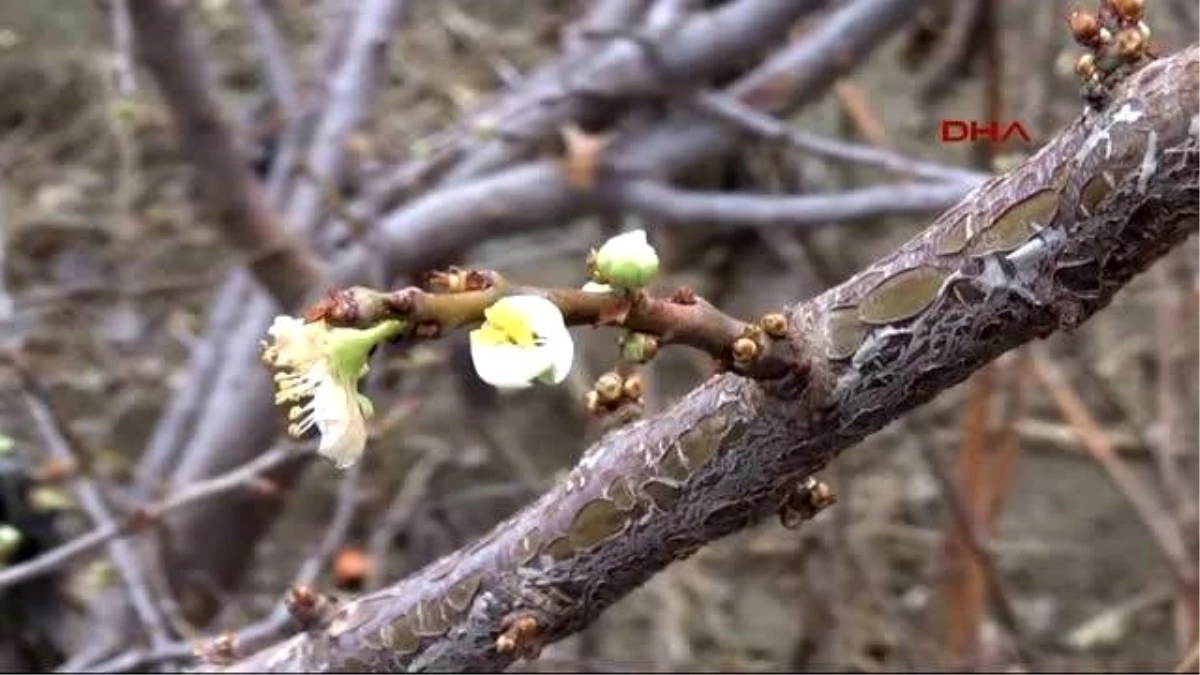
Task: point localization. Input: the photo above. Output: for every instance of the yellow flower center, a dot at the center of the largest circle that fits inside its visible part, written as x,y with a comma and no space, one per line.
505,325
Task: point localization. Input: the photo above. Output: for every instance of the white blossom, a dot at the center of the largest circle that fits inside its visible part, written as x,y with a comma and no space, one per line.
321,366
523,339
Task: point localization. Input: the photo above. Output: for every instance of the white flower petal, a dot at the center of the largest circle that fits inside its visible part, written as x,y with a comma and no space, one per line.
295,342
508,366
341,422
633,239
285,325
558,349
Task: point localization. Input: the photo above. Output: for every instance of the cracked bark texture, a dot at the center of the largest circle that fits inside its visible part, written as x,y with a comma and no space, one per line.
1115,191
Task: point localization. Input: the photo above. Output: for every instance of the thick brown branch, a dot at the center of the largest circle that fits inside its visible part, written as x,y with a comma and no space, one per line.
728,454
167,46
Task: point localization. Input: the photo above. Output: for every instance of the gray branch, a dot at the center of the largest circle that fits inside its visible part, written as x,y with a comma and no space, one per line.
670,205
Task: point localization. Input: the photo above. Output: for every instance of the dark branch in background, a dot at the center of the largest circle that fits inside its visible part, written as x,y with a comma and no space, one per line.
167,47
286,613
617,518
61,450
186,408
216,539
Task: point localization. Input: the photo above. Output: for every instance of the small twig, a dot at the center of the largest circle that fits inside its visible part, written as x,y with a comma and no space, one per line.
414,488
274,53
997,595
467,30
733,112
963,580
957,49
857,107
667,204
274,626
1173,313
122,34
1149,510
62,449
241,476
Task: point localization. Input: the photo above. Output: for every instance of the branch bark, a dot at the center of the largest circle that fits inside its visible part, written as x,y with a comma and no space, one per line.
283,264
1123,184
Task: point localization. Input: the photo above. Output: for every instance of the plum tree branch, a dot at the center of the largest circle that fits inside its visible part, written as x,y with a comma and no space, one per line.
1114,192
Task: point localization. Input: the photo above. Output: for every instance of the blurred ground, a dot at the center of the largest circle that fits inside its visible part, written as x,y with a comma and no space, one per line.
111,272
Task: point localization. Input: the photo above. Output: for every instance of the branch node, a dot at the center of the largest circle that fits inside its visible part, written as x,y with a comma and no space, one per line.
403,301
310,608
219,651
452,280
805,501
745,350
684,295
775,325
521,636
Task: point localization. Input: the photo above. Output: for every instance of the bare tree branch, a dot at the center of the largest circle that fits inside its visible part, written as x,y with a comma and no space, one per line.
284,266
743,116
274,55
111,529
274,625
1111,194
537,193
671,205
59,447
693,53
219,538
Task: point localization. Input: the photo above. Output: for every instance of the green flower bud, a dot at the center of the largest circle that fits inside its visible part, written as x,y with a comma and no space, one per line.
626,261
638,347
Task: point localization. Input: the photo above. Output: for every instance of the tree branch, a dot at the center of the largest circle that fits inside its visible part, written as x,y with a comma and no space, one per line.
671,205
536,193
283,264
1113,193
